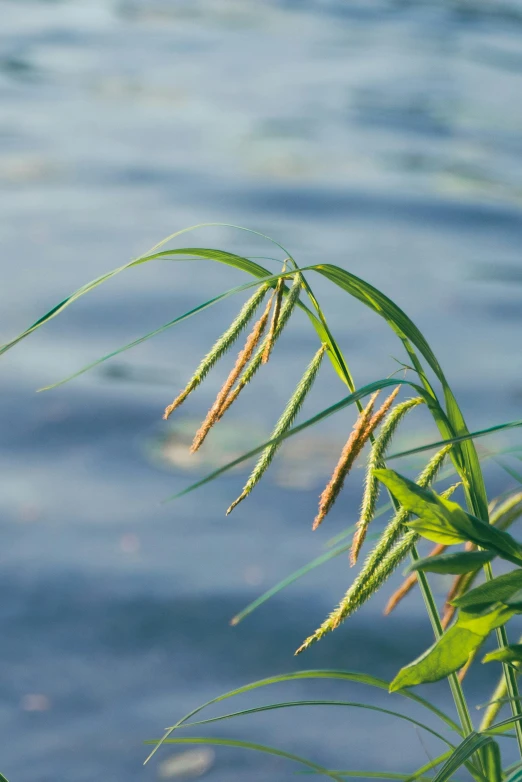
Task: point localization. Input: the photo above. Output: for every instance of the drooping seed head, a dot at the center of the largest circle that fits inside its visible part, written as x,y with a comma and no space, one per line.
241,361
220,347
287,308
284,423
351,450
387,554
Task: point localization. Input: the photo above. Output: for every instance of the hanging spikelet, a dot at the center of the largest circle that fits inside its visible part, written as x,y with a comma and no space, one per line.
351,450
283,425
284,315
226,340
372,485
275,318
381,562
409,583
241,361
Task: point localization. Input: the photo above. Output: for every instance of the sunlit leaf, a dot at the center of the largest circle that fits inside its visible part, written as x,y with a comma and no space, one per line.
444,521
508,654
454,563
498,590
452,650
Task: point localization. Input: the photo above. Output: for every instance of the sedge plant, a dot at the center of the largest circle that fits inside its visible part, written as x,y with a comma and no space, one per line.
470,538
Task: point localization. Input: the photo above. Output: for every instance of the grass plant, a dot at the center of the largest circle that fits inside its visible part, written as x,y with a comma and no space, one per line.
470,537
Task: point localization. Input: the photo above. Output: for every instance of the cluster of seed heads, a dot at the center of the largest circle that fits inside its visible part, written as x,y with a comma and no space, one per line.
375,425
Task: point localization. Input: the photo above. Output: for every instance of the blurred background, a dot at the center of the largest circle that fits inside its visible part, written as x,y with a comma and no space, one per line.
383,136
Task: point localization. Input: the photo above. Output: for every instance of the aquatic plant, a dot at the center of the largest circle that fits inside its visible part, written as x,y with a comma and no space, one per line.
470,536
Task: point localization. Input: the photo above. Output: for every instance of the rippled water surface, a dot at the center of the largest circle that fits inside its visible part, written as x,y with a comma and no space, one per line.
385,137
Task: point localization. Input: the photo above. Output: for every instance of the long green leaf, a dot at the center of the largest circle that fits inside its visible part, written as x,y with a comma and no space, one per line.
444,521
349,676
417,775
502,588
461,439
250,745
508,654
465,750
292,704
454,563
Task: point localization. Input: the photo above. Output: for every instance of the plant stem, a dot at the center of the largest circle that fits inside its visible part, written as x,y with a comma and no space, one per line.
509,674
455,685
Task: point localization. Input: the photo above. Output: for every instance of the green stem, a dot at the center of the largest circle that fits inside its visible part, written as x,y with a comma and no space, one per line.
455,685
510,675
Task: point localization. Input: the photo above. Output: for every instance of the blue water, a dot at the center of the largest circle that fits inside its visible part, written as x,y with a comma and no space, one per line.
381,136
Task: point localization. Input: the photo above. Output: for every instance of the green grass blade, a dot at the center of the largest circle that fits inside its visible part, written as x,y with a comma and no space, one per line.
291,704
250,745
349,676
375,775
297,574
460,439
418,775
154,333
470,745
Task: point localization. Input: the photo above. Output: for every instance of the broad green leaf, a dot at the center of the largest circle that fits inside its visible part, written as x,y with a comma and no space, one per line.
2,778
444,521
498,590
508,654
348,676
250,745
452,650
465,750
454,563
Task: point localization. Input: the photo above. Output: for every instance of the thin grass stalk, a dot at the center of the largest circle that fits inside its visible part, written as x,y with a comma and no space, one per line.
220,347
241,361
287,308
498,699
349,454
285,421
511,512
380,562
455,686
376,459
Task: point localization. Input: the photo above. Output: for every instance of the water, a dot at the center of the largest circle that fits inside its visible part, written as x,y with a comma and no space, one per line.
381,136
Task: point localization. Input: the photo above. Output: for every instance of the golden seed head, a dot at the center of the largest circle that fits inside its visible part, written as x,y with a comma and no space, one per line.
242,359
351,450
220,347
